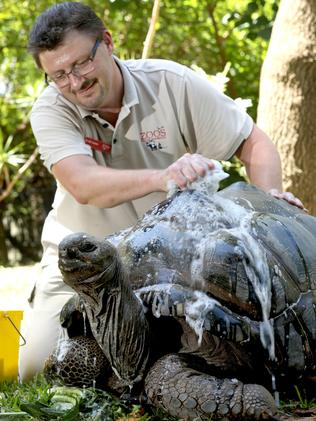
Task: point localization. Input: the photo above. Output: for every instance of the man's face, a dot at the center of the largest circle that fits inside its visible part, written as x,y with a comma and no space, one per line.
97,88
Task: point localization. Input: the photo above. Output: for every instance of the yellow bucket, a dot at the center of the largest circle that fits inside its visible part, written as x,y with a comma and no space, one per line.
9,343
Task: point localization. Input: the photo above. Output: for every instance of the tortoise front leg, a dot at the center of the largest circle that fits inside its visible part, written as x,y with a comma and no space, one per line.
77,361
188,393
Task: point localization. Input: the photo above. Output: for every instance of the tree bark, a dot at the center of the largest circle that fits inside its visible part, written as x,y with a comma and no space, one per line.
287,101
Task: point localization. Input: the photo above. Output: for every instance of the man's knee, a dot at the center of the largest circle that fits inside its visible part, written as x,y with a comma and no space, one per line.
40,325
41,331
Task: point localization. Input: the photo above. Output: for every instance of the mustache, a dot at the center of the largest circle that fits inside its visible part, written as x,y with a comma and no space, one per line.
85,84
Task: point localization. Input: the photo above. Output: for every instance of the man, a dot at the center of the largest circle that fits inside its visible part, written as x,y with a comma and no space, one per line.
114,134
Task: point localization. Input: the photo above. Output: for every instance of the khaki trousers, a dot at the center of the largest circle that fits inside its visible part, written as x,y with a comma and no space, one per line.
40,325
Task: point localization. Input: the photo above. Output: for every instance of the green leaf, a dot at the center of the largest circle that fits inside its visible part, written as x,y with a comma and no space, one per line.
34,409
45,412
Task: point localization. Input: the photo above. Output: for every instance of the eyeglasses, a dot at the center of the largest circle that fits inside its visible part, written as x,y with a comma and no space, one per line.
79,69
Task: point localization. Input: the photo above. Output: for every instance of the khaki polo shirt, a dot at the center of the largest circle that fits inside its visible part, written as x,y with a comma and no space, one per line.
167,110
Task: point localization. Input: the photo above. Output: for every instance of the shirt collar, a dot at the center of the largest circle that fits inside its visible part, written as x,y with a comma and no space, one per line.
130,97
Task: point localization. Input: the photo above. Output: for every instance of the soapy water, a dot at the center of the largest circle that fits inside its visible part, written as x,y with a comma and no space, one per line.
207,219
257,269
62,348
171,300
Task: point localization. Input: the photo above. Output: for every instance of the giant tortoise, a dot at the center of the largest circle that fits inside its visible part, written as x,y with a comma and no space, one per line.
204,305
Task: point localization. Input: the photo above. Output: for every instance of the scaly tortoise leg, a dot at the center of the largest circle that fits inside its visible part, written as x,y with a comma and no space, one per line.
77,361
187,393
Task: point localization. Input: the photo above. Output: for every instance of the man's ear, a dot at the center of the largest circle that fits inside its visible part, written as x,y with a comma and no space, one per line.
107,38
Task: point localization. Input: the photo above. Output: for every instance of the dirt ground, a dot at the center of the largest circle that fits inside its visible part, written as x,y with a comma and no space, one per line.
301,415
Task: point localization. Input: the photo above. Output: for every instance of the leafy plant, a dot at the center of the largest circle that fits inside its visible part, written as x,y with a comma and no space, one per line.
11,157
38,400
12,394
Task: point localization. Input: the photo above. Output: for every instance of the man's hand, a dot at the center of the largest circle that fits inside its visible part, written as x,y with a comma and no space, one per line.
186,170
289,197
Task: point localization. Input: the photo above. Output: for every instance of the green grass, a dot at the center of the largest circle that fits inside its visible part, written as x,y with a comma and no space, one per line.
39,401
299,400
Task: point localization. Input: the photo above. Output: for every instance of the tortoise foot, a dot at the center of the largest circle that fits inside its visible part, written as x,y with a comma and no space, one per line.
187,393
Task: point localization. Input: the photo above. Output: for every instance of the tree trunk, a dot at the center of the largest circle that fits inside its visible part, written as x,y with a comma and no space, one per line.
287,101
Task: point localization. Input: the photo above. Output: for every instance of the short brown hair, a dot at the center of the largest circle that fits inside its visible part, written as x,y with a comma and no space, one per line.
55,22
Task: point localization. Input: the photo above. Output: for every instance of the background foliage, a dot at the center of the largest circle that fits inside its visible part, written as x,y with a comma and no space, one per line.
206,33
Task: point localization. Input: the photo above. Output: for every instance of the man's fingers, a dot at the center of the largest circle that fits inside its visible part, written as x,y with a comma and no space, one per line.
289,197
189,168
194,166
175,174
201,164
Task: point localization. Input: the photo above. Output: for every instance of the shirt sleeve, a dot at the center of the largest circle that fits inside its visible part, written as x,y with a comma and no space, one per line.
213,124
57,129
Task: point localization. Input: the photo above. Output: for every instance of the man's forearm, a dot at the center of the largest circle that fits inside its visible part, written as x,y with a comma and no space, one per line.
263,166
119,186
92,184
104,187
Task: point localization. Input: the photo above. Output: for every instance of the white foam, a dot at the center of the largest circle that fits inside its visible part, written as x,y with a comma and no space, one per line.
208,184
257,269
196,310
196,305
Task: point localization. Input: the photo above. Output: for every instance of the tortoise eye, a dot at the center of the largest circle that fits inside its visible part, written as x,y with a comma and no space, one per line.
87,247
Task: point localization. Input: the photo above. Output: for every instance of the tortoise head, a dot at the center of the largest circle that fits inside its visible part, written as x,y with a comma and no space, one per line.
85,261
